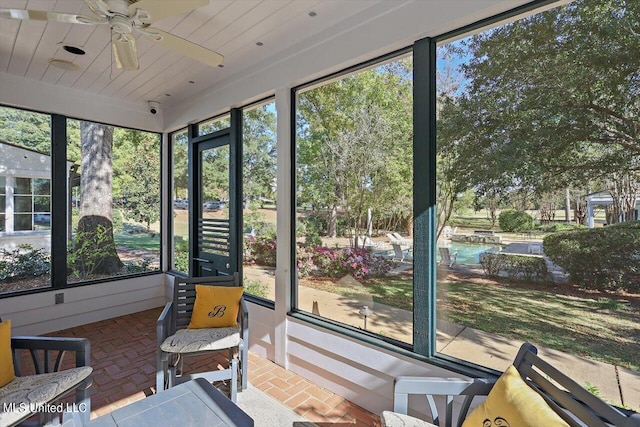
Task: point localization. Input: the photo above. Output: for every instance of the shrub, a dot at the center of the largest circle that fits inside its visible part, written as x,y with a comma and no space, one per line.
360,263
600,258
515,266
25,261
264,251
181,255
512,220
304,260
561,226
254,287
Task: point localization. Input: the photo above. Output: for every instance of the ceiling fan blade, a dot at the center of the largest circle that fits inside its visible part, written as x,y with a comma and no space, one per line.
183,46
125,51
164,9
46,15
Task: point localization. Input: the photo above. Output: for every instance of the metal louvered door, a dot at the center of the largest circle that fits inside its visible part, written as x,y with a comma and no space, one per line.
215,224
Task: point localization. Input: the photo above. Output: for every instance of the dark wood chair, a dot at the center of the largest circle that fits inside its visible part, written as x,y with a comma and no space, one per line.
48,383
575,405
176,341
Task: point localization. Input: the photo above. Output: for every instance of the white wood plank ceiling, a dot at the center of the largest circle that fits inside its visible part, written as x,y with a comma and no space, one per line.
230,27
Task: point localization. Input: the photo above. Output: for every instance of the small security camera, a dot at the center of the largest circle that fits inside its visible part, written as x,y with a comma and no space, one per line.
153,107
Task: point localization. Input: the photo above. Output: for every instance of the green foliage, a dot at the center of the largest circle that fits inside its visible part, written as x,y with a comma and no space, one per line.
26,129
23,262
256,288
512,220
140,266
137,175
355,145
181,255
256,222
360,263
259,152
91,250
561,226
263,251
522,126
516,267
600,258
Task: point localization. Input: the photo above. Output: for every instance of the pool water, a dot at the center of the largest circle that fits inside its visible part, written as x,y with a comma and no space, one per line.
469,253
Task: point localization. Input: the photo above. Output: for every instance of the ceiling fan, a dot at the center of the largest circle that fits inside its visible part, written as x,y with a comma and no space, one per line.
126,18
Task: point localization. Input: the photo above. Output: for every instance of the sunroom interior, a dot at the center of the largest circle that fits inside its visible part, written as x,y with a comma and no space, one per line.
276,53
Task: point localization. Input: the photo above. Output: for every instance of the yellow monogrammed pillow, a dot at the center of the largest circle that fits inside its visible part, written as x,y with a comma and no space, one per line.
6,361
513,403
215,306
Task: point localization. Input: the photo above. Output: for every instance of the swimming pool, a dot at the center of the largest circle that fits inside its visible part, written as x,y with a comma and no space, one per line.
469,253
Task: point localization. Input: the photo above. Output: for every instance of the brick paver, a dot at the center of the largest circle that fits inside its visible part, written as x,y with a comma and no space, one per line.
123,357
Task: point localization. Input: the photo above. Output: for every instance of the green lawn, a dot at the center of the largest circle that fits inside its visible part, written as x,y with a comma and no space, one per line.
138,241
602,329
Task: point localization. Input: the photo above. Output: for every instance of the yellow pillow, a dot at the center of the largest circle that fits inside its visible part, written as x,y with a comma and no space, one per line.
512,402
6,360
215,306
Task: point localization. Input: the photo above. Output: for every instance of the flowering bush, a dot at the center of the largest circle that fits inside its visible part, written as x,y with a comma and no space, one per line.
338,262
304,260
262,251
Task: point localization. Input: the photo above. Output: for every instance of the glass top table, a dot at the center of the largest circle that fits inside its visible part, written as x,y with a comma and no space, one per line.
193,403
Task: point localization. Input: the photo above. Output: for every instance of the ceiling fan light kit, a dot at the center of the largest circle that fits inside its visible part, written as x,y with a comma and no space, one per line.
127,19
64,64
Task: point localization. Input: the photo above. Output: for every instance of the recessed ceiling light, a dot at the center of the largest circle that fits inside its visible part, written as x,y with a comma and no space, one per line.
259,44
313,14
64,65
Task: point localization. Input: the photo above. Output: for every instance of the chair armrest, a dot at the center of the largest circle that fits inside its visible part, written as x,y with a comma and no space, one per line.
165,323
80,346
243,318
434,386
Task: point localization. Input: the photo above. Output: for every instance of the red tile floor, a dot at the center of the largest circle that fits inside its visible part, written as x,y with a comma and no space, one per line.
123,358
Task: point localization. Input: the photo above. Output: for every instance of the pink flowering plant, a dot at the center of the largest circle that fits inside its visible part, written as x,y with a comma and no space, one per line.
338,262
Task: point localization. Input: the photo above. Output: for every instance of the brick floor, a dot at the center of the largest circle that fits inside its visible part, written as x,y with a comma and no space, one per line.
123,358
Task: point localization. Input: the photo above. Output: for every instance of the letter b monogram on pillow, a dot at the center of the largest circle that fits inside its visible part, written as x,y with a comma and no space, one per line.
216,306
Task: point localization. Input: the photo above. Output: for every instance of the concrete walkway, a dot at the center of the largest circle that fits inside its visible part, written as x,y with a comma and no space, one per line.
615,384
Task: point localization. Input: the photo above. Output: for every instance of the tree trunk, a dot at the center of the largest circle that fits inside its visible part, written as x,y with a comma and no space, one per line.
95,250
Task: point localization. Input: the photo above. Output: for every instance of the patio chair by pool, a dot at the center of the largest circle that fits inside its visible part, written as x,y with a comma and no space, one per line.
535,248
401,240
447,257
400,254
207,314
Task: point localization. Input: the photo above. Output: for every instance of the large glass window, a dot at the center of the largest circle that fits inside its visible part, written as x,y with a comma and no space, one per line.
259,199
25,200
213,125
180,217
538,185
115,212
354,189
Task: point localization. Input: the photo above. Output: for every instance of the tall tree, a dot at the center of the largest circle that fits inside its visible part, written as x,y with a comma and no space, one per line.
95,249
136,184
354,145
259,152
552,100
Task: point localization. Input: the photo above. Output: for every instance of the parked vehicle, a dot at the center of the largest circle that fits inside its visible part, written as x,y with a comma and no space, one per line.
181,203
214,206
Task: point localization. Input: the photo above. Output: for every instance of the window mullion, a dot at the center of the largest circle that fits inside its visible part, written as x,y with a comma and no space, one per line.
424,197
60,214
